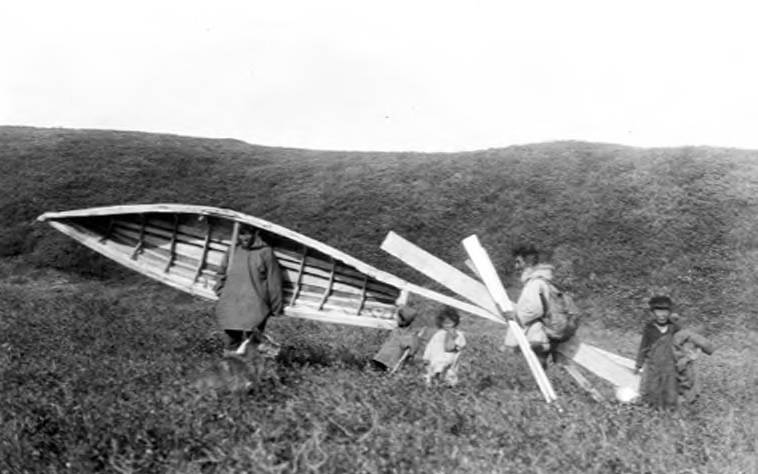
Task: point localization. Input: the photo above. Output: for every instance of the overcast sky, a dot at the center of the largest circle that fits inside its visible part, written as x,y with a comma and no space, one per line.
387,75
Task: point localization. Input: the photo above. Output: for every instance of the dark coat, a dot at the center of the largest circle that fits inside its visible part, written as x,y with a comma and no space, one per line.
250,287
659,386
392,350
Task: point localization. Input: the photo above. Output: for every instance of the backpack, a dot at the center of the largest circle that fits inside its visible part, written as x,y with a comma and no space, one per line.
561,315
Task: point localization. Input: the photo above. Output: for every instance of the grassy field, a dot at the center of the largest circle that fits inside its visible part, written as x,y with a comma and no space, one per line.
96,364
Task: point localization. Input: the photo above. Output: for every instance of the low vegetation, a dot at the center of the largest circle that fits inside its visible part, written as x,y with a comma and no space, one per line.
97,364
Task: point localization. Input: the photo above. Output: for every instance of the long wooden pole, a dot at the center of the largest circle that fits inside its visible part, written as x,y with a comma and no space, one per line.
497,291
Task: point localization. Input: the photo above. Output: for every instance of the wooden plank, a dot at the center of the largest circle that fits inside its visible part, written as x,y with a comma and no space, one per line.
573,371
316,271
140,239
182,237
172,245
487,272
492,281
621,360
438,270
362,299
599,364
205,250
328,289
299,277
183,250
342,272
294,276
337,318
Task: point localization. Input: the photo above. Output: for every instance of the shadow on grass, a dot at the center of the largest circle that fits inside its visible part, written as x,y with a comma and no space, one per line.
320,356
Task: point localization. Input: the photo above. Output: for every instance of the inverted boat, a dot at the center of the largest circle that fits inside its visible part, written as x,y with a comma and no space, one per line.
183,246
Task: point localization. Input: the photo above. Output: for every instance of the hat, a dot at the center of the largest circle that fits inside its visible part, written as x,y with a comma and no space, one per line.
405,316
660,302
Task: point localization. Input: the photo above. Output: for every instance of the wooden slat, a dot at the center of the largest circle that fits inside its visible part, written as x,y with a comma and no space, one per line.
439,271
342,272
299,275
172,245
183,250
315,295
328,289
372,286
599,364
362,301
140,240
205,249
290,275
571,369
181,236
337,318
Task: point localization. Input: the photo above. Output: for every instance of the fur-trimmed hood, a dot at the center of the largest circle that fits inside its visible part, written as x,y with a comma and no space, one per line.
541,270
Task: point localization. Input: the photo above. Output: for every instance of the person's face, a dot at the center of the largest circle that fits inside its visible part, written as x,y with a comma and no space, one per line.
661,315
519,263
245,238
448,324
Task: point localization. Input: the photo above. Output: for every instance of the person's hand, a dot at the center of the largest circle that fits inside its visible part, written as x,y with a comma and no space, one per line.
637,370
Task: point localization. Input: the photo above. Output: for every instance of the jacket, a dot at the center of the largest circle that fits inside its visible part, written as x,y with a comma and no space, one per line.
529,308
392,350
250,287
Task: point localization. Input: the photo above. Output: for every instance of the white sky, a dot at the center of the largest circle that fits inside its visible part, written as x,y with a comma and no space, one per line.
387,75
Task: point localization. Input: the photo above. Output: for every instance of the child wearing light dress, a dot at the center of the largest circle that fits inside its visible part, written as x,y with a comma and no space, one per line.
444,348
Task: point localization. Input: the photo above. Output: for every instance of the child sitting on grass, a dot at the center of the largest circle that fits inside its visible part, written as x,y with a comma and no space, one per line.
402,343
444,349
667,352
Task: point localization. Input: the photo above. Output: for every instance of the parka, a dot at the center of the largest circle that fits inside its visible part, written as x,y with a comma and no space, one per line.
250,287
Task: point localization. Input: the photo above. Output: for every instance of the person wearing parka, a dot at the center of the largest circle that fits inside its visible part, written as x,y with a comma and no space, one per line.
249,288
403,338
529,307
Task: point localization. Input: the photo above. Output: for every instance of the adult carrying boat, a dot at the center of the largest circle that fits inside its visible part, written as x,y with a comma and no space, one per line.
183,246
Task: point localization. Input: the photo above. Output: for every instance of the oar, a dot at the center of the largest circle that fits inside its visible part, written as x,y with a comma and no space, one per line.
497,292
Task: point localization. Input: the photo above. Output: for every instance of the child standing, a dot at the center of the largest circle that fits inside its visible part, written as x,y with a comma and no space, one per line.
658,386
668,354
401,344
444,349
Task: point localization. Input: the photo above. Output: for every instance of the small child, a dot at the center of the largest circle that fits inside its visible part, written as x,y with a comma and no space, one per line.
667,353
444,349
393,352
687,345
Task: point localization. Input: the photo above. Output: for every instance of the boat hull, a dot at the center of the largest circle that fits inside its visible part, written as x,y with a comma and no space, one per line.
182,246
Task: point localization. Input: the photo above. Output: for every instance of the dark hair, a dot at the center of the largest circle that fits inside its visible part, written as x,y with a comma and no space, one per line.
528,252
660,302
448,313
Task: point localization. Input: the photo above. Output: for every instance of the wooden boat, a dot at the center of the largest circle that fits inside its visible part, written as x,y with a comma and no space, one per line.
183,246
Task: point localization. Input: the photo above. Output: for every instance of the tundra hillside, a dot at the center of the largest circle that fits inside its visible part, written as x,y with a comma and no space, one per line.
95,361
